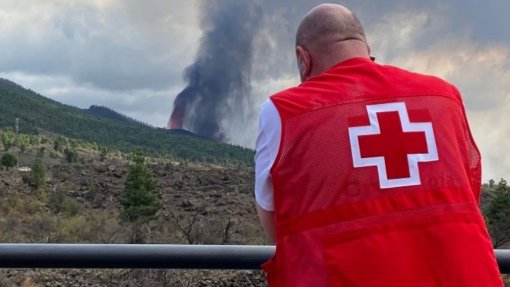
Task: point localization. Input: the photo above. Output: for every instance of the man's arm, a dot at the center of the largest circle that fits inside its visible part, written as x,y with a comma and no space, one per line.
267,222
268,142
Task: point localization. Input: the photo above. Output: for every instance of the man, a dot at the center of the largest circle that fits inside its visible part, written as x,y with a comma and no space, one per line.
367,175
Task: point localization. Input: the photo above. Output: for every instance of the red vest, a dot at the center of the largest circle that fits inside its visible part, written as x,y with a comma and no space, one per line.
376,183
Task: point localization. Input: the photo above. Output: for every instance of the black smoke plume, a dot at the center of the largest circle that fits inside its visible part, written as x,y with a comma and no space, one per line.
219,79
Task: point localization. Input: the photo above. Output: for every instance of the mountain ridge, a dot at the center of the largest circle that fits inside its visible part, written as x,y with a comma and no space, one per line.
107,127
103,111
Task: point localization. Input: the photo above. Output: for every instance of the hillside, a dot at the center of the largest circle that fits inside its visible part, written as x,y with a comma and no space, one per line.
79,203
202,204
109,128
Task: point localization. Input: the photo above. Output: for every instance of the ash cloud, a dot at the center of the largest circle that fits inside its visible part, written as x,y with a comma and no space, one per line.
243,43
219,79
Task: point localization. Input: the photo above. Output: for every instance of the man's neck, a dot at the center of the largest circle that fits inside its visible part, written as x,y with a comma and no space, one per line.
339,52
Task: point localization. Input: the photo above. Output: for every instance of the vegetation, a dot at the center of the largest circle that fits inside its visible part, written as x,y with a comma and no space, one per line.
8,138
140,200
71,155
80,202
109,113
60,143
496,208
107,128
9,160
38,173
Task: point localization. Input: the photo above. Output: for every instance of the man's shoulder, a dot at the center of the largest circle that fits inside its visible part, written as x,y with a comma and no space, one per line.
288,92
368,82
422,80
290,101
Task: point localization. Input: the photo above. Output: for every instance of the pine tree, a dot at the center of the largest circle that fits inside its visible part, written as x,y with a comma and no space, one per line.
104,151
71,155
140,200
38,173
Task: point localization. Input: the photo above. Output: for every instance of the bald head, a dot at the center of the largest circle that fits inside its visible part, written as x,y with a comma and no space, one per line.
327,24
329,33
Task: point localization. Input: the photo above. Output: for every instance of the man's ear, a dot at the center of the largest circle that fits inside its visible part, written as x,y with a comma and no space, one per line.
370,53
304,63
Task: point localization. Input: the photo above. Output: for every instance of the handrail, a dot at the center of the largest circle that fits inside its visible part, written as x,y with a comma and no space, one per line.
150,256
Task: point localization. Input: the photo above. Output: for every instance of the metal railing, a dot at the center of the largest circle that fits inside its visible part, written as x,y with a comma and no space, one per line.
150,256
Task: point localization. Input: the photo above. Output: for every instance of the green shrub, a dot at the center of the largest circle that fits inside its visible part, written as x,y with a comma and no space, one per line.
59,202
9,160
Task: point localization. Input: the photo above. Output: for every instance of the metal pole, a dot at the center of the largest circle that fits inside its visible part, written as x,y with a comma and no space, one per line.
503,256
150,256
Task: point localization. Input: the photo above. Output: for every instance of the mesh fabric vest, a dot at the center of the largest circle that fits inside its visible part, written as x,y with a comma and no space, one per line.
376,183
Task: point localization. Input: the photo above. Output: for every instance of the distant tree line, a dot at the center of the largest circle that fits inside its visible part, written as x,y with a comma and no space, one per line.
495,205
114,115
39,114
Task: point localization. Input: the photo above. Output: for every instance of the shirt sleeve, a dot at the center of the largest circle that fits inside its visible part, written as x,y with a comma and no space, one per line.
268,142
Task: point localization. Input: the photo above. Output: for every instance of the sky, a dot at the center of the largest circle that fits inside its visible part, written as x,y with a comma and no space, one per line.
131,55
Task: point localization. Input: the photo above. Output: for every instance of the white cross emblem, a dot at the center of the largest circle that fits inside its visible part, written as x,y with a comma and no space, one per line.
380,152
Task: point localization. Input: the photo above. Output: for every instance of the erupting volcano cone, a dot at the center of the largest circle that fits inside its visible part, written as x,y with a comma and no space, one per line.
176,119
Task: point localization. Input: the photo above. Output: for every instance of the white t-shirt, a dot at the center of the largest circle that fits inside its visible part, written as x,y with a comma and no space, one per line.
268,142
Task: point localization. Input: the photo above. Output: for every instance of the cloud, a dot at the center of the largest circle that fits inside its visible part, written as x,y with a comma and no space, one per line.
483,78
126,55
133,103
479,70
114,45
